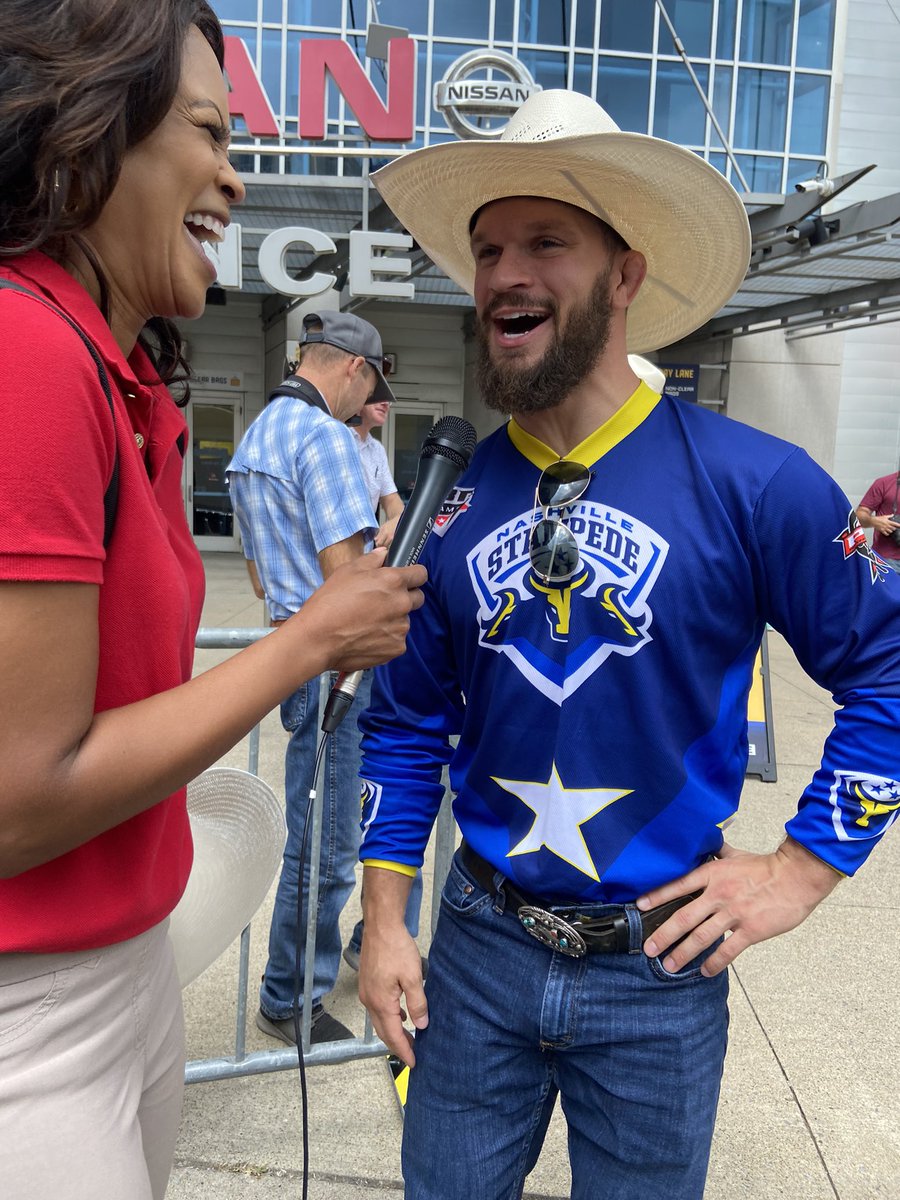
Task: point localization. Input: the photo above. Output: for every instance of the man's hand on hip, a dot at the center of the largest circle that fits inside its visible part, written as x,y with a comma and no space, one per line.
750,897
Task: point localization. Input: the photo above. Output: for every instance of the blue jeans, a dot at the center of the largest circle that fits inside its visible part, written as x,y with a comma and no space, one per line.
634,1053
340,789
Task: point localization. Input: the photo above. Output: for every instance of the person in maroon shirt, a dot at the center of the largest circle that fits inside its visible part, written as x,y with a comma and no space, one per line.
876,511
114,132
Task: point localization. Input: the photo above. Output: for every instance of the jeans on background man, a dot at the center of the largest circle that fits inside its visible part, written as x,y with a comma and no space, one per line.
338,784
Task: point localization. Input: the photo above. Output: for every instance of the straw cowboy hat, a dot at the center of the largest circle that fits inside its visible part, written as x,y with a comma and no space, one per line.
239,833
683,216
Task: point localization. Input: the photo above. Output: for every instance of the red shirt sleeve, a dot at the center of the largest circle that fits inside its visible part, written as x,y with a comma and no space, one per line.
57,449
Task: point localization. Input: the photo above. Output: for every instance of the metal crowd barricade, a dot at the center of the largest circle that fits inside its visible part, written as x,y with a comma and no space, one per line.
260,1062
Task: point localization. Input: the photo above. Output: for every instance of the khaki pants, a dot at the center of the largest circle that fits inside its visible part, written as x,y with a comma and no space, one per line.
91,1071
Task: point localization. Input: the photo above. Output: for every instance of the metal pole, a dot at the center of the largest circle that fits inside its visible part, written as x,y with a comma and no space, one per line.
700,92
240,1033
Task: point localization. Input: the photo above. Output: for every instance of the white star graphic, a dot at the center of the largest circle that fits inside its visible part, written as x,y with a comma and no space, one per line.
559,813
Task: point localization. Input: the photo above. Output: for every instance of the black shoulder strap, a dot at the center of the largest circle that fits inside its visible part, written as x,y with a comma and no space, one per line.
111,495
301,389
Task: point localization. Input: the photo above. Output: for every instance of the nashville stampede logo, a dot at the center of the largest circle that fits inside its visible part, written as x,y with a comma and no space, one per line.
863,806
601,611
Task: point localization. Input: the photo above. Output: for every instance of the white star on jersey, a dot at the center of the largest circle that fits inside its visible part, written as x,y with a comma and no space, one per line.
559,813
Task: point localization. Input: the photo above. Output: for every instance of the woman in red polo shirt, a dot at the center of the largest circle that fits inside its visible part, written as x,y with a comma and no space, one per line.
113,153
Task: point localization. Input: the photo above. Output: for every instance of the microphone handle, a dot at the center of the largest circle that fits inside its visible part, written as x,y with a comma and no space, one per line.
437,473
347,684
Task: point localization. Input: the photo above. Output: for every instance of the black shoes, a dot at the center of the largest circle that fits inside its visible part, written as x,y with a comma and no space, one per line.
324,1028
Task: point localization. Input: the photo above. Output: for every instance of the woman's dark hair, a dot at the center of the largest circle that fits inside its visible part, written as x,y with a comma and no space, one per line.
81,83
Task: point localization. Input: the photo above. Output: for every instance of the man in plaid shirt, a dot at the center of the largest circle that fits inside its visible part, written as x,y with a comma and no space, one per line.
302,505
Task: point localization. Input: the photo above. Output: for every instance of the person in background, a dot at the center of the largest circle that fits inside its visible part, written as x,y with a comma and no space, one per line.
376,469
582,663
878,511
114,133
301,502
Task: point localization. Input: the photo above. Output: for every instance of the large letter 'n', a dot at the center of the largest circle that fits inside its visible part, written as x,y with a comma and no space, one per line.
394,122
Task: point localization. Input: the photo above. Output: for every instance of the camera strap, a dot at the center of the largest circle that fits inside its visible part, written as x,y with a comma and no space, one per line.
300,389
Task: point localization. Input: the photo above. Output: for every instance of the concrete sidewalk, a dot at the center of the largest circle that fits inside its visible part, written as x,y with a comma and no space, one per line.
812,1073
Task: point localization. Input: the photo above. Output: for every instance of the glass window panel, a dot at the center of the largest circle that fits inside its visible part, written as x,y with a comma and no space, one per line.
693,23
272,10
460,18
680,114
623,89
809,116
581,74
248,36
443,55
271,67
815,36
401,13
627,26
762,174
761,113
721,103
243,163
236,10
720,162
726,29
503,20
584,23
766,29
321,164
410,431
298,164
544,21
547,69
213,450
316,12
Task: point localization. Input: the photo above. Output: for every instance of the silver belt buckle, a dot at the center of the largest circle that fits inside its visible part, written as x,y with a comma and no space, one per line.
552,931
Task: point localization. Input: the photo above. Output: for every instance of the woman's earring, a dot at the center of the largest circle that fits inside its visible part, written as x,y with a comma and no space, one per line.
56,179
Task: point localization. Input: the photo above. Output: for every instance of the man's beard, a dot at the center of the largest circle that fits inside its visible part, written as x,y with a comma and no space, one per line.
567,362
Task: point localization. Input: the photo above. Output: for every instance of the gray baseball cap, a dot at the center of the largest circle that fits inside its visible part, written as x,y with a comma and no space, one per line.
356,336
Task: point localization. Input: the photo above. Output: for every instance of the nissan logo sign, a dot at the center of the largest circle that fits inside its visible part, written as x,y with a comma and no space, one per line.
460,97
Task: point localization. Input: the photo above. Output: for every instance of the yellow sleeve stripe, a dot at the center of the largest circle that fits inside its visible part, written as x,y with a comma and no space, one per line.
400,868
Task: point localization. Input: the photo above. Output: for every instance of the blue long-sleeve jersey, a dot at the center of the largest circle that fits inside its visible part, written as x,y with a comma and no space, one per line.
602,724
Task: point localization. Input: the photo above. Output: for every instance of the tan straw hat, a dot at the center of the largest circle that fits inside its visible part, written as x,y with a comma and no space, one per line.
683,216
239,832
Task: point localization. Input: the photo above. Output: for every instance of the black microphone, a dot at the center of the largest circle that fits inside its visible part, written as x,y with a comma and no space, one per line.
445,454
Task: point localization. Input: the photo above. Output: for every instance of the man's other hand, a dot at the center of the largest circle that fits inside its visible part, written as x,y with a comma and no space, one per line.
750,897
390,968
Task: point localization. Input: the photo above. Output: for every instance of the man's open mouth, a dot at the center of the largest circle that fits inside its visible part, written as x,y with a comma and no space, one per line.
518,325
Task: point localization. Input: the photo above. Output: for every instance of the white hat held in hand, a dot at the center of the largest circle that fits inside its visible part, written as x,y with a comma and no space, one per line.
239,833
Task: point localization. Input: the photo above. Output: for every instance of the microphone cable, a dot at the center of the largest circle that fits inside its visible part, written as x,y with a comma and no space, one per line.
301,1065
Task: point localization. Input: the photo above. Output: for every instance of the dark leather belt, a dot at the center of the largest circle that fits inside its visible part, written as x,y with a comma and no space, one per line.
565,929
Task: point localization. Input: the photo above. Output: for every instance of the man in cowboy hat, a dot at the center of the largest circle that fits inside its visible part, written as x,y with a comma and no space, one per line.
598,588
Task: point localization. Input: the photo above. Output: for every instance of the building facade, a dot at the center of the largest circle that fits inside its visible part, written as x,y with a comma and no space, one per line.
770,92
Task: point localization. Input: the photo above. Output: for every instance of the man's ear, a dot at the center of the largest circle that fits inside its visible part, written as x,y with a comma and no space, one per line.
628,277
